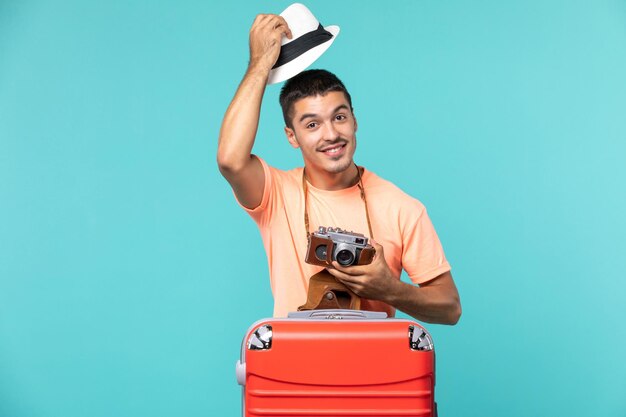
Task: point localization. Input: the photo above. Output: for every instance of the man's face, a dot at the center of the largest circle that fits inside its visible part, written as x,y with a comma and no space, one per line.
324,129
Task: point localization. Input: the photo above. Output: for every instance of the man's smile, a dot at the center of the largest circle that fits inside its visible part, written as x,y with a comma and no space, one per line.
334,150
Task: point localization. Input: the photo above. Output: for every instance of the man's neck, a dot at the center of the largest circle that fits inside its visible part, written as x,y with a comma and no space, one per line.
332,181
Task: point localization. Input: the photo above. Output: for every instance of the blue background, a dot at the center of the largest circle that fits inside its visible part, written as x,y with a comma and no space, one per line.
128,274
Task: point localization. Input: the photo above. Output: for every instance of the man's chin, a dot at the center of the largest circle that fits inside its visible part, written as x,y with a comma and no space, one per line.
339,166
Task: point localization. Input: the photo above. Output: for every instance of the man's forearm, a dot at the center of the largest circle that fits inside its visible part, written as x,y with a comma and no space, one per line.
241,120
244,173
242,117
435,303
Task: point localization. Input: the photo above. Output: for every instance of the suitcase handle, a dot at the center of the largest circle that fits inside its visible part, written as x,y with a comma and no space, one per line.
337,314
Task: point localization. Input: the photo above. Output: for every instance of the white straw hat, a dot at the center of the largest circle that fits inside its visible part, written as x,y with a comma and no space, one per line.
309,41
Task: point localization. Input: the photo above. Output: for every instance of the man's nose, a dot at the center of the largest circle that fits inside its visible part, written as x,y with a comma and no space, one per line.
330,133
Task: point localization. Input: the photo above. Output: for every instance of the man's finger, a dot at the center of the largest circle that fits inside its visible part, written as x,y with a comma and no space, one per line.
354,286
268,22
349,270
275,21
284,24
279,31
380,251
342,276
272,22
261,20
379,248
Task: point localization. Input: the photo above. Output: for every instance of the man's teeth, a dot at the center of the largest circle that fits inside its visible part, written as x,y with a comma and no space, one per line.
333,150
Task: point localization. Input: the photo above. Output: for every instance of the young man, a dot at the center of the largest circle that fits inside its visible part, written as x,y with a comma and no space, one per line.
329,191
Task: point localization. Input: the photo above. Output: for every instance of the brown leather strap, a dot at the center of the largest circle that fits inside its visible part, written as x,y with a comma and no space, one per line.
367,213
305,189
326,292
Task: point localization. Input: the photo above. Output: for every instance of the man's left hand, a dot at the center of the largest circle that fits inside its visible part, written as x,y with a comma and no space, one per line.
373,281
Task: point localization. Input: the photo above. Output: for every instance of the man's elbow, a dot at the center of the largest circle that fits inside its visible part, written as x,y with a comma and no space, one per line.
454,312
229,164
225,166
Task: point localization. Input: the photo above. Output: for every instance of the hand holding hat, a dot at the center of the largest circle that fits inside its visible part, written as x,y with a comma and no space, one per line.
310,40
301,37
265,39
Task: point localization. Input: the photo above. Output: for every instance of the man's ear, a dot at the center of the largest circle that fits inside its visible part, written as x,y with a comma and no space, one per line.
291,137
356,125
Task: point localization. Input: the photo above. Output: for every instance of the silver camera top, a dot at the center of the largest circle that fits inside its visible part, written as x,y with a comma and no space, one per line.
338,235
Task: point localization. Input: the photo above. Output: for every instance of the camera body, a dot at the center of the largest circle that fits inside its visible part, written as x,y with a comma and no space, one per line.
330,244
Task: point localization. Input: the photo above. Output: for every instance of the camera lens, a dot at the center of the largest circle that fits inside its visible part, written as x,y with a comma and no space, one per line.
320,252
345,257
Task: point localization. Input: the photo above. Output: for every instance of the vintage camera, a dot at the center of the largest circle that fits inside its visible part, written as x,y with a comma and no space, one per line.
333,244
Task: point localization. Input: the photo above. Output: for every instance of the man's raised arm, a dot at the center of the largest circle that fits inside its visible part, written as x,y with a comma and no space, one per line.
239,127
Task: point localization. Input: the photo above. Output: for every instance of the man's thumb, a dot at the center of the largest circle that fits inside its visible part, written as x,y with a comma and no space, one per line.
377,246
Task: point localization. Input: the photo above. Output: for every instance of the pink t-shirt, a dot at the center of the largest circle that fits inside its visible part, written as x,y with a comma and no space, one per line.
399,223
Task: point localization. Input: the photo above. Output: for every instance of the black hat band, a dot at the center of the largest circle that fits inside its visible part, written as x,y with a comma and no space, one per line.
294,49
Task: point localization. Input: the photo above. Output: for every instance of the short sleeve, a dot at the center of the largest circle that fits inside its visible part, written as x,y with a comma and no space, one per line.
422,256
261,213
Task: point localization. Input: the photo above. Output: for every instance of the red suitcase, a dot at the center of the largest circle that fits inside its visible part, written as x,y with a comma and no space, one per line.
337,363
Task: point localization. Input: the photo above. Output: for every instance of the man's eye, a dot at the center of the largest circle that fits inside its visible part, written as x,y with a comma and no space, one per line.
311,125
340,117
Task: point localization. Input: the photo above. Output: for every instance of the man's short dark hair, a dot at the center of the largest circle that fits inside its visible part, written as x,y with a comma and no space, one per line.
309,84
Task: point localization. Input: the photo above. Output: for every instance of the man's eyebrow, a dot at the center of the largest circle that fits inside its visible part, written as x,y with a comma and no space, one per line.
339,107
307,115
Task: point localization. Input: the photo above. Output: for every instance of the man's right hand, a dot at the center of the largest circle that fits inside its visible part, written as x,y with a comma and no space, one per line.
265,40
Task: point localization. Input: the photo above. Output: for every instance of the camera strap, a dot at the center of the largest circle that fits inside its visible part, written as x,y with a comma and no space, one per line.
305,189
